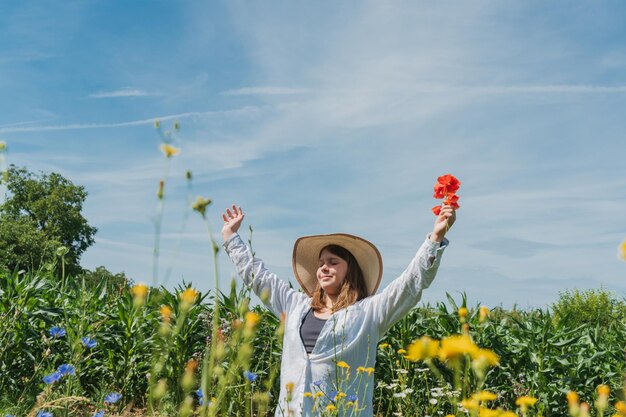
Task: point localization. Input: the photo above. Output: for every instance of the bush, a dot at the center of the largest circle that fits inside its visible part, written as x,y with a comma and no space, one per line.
594,307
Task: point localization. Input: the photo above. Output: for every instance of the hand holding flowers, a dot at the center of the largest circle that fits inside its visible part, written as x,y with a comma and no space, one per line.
446,188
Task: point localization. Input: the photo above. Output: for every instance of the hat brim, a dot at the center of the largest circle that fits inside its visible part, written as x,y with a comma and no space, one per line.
306,253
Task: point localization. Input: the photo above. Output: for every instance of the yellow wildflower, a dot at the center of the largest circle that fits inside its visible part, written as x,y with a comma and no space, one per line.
343,364
166,313
318,394
462,312
340,395
572,397
251,319
384,345
470,404
169,150
483,313
486,355
508,414
484,396
401,351
453,347
486,412
362,369
289,386
308,394
622,251
139,290
604,390
330,407
620,406
188,297
525,401
423,348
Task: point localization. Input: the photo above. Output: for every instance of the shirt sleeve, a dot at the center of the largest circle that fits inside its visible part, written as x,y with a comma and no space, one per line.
280,296
399,297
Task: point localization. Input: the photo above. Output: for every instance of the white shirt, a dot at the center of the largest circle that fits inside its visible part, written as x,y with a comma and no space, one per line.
350,335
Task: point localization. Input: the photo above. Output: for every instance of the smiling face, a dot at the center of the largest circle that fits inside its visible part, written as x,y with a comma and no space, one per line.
331,272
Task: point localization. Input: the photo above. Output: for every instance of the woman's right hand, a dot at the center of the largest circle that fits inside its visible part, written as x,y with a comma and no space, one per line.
232,221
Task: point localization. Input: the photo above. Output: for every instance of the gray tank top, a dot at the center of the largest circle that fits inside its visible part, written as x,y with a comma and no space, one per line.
310,330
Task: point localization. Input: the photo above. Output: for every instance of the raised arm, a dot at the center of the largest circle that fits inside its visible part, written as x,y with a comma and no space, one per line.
252,270
399,297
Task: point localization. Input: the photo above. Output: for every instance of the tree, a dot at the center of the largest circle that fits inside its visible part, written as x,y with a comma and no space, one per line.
102,275
41,213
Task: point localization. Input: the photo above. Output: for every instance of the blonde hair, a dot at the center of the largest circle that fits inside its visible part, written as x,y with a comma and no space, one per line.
353,288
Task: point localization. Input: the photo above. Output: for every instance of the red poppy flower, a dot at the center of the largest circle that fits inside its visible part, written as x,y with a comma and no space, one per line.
446,188
451,183
440,190
452,199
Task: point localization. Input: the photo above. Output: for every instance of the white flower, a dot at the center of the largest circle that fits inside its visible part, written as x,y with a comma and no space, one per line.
402,371
398,414
392,386
422,369
408,391
433,401
399,395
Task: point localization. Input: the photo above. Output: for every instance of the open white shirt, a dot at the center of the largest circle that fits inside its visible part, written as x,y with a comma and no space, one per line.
350,335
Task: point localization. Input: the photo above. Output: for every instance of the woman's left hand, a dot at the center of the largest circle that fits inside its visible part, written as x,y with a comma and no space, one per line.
443,223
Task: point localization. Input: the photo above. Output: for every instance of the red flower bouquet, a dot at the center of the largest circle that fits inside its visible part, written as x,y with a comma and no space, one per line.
446,188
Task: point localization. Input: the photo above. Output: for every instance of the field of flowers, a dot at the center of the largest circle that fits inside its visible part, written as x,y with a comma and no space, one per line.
73,350
76,347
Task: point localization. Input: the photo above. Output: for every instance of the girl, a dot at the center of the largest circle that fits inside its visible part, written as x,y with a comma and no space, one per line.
332,329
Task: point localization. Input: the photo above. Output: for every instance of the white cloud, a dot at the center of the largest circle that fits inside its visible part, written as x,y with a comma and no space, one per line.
124,92
75,126
266,90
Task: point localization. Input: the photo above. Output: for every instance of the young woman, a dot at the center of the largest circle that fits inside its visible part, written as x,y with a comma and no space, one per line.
332,329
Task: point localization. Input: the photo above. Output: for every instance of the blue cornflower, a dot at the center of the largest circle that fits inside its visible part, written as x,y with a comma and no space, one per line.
89,343
332,395
250,376
10,415
112,398
352,397
53,377
44,414
66,369
99,414
200,396
318,382
56,331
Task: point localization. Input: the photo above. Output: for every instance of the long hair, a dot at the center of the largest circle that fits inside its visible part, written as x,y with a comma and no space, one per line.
353,288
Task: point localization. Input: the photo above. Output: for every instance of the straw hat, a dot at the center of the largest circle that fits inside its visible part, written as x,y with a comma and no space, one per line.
306,252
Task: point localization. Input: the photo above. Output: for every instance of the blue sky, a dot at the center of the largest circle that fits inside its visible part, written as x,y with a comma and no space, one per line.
319,117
